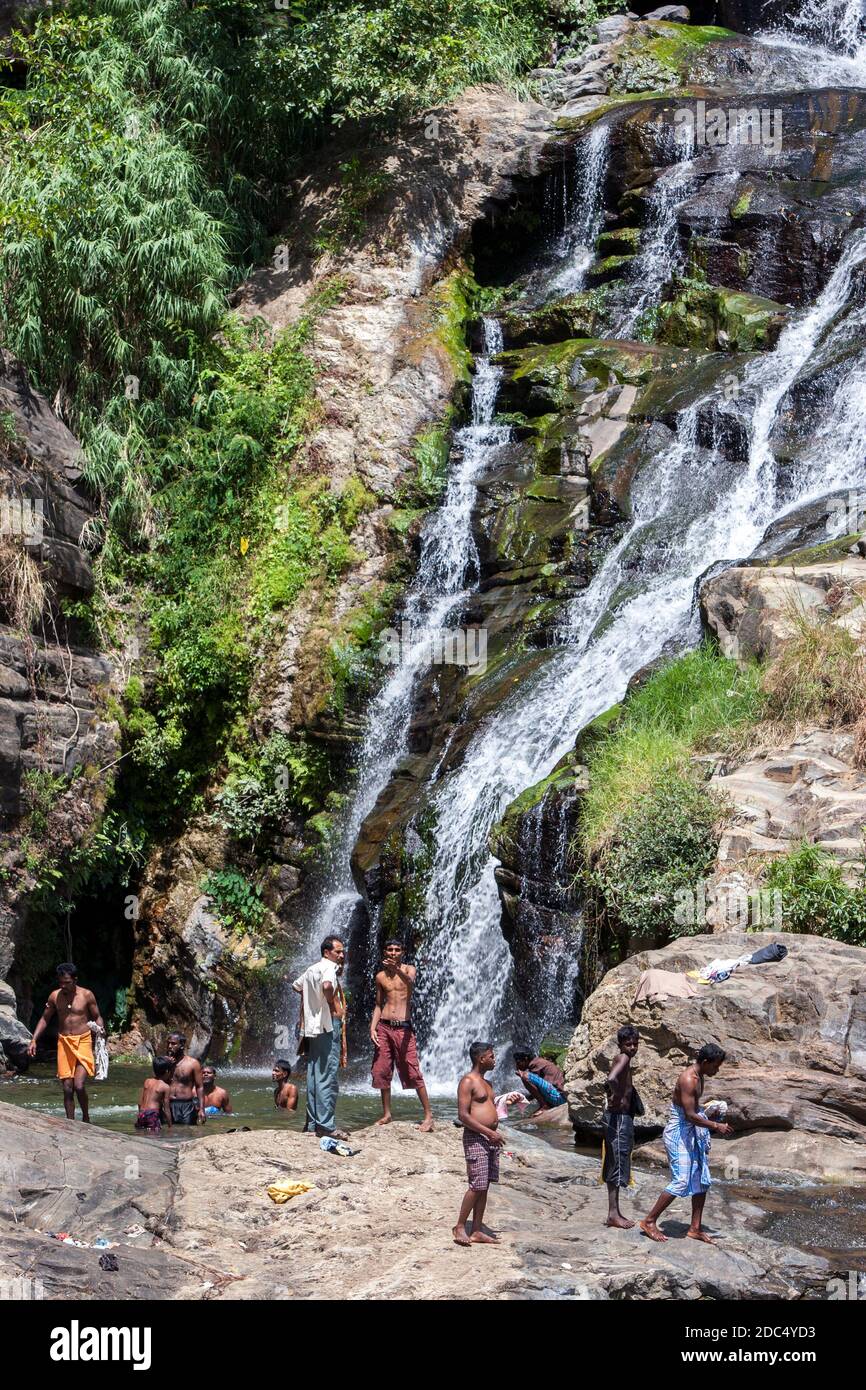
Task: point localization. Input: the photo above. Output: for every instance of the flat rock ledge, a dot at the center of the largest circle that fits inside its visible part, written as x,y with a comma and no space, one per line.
376,1226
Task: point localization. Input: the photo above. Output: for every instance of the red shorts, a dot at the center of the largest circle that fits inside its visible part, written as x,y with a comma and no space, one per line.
396,1048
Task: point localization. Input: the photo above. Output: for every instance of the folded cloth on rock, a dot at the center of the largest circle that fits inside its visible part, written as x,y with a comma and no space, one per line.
722,969
660,984
284,1191
768,954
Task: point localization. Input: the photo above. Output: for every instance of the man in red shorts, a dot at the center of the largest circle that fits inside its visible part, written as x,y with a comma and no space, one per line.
393,1035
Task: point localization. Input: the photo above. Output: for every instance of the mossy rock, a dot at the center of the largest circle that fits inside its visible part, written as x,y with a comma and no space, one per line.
611,268
624,242
568,776
576,316
710,316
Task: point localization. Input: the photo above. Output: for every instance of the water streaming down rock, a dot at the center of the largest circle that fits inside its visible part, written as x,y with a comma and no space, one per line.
447,564
660,257
692,507
830,36
577,193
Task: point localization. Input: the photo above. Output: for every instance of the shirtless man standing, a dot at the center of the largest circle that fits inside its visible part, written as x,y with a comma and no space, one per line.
476,1112
393,1036
187,1085
75,1008
687,1140
618,1124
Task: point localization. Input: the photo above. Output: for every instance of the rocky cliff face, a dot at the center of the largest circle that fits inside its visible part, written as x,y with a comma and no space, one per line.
57,740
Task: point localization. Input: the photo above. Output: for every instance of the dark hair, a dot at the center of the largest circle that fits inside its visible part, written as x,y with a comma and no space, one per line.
283,1065
328,943
523,1051
162,1066
394,941
711,1052
627,1033
180,1037
67,968
477,1049
208,1066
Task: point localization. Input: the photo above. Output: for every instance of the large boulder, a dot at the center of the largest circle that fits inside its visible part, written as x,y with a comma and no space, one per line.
795,1035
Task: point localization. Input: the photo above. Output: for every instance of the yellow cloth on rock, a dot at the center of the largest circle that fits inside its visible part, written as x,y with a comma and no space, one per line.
284,1191
72,1049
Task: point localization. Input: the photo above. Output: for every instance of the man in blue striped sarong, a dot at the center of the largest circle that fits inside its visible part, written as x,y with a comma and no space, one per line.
687,1140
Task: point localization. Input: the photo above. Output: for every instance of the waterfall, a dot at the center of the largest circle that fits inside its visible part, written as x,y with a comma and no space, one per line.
447,562
660,254
578,215
691,508
829,36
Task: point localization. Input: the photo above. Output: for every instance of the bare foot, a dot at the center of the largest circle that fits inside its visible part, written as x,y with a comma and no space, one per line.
700,1235
482,1238
385,1120
426,1126
649,1228
460,1236
619,1222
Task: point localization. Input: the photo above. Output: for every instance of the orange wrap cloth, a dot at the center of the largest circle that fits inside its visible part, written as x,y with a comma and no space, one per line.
73,1048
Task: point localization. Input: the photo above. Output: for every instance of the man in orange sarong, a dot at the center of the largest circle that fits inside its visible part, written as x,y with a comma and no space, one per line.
75,1008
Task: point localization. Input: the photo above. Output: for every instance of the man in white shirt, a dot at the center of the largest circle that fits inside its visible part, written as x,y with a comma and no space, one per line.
322,1016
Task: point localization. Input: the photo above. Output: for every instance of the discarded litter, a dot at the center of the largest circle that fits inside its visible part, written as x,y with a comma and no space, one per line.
284,1191
135,1231
109,1263
336,1146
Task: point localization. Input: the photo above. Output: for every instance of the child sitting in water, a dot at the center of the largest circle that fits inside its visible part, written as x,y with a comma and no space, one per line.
153,1106
285,1092
217,1100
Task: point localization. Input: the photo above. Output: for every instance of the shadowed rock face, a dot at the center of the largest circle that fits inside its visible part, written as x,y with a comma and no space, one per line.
794,1032
52,689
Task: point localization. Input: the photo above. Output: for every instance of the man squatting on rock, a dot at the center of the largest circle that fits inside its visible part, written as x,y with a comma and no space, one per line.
75,1008
393,1036
476,1112
687,1140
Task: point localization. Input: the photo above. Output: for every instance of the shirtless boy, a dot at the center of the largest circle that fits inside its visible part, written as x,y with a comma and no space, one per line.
75,1008
217,1100
187,1086
687,1140
476,1112
618,1125
393,1036
285,1091
154,1110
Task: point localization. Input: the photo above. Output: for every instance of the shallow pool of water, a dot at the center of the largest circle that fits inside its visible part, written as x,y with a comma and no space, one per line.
114,1102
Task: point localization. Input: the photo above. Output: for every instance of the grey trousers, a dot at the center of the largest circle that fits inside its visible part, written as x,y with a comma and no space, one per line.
323,1071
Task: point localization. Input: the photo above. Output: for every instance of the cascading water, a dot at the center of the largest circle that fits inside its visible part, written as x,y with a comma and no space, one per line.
447,563
465,972
578,214
692,507
829,36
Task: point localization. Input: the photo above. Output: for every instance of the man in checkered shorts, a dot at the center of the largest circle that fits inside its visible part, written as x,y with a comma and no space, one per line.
476,1112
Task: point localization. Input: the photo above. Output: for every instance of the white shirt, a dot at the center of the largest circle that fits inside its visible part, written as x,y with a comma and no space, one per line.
317,1014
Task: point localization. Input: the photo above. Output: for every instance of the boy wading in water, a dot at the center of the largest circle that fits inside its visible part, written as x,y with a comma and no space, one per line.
476,1112
154,1110
75,1008
393,1036
687,1140
618,1125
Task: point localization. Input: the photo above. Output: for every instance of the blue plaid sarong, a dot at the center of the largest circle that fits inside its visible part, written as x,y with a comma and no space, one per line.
688,1148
